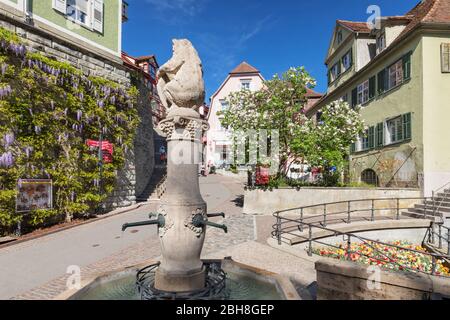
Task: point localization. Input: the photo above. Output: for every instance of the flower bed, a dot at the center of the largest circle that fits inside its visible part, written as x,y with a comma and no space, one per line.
387,256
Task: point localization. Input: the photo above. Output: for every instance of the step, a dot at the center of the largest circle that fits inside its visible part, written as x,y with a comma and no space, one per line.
428,208
297,237
428,212
445,203
421,216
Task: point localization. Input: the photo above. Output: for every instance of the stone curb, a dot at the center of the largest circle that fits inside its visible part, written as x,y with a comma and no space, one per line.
105,216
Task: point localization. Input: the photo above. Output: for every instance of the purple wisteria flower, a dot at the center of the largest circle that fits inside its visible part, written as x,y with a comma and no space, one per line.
5,91
79,115
8,139
37,129
6,160
4,68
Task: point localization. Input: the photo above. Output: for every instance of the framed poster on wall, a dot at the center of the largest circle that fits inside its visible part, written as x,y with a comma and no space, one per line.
34,194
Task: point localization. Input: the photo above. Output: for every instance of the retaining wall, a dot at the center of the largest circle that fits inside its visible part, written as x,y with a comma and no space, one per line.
342,280
262,202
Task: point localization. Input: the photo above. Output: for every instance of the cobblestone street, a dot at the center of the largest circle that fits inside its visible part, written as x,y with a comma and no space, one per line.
36,269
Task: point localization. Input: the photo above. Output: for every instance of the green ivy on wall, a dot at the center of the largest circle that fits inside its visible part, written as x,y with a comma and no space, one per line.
48,109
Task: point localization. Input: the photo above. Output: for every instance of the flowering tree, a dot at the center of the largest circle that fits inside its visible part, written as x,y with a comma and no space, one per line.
280,106
325,143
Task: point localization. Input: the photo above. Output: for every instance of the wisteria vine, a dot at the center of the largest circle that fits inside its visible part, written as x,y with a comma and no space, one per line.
48,109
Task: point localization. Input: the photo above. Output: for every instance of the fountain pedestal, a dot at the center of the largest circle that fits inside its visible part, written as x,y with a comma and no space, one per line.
181,269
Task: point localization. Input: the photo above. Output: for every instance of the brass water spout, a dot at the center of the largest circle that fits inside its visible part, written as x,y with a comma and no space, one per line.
199,221
161,222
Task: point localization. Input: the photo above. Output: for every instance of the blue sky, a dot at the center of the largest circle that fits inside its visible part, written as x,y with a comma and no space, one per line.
270,35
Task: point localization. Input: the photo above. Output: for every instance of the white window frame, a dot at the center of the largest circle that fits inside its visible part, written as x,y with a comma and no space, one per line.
381,42
395,74
364,141
346,58
363,92
75,19
224,105
246,84
62,6
334,71
389,136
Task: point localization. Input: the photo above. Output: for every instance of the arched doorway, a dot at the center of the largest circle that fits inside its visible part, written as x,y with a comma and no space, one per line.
369,176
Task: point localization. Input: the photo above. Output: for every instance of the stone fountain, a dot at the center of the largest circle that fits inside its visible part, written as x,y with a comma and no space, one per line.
182,216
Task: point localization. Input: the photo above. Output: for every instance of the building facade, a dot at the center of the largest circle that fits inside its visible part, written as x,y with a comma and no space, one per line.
398,75
218,143
88,35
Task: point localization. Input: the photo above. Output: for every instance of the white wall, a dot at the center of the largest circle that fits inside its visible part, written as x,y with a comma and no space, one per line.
215,135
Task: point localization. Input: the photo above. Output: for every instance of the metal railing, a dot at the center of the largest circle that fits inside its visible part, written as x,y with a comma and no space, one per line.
378,255
438,204
440,234
296,226
348,213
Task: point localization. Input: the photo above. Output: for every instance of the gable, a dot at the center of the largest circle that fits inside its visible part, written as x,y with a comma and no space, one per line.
339,31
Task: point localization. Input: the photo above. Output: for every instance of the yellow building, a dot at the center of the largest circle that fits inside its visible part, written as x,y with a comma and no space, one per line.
399,77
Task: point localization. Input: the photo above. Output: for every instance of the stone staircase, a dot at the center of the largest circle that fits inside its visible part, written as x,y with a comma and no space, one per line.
156,187
437,208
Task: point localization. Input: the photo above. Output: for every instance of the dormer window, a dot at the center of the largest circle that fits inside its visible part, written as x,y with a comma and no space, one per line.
245,84
339,37
335,71
381,42
347,61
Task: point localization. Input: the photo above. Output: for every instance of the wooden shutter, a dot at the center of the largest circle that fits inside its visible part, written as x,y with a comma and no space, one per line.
339,69
381,81
60,6
97,16
445,57
329,76
407,66
353,148
354,97
372,87
406,119
380,135
351,56
371,136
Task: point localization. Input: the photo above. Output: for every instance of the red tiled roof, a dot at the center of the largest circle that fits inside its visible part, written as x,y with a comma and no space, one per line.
244,67
312,94
355,26
427,11
145,58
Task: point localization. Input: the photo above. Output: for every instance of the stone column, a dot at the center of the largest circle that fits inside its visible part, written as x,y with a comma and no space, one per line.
181,269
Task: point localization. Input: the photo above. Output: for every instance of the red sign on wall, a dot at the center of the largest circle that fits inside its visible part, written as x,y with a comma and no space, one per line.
262,176
107,149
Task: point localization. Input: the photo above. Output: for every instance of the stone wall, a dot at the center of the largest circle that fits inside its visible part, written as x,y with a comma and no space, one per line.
144,144
139,167
267,202
342,280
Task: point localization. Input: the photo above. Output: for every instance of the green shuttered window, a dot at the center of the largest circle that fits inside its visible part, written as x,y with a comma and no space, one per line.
371,137
380,135
406,126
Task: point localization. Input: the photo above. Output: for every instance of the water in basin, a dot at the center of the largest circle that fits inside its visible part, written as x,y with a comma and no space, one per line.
122,286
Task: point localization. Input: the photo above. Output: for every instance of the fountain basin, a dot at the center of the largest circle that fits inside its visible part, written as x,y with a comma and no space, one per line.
243,282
